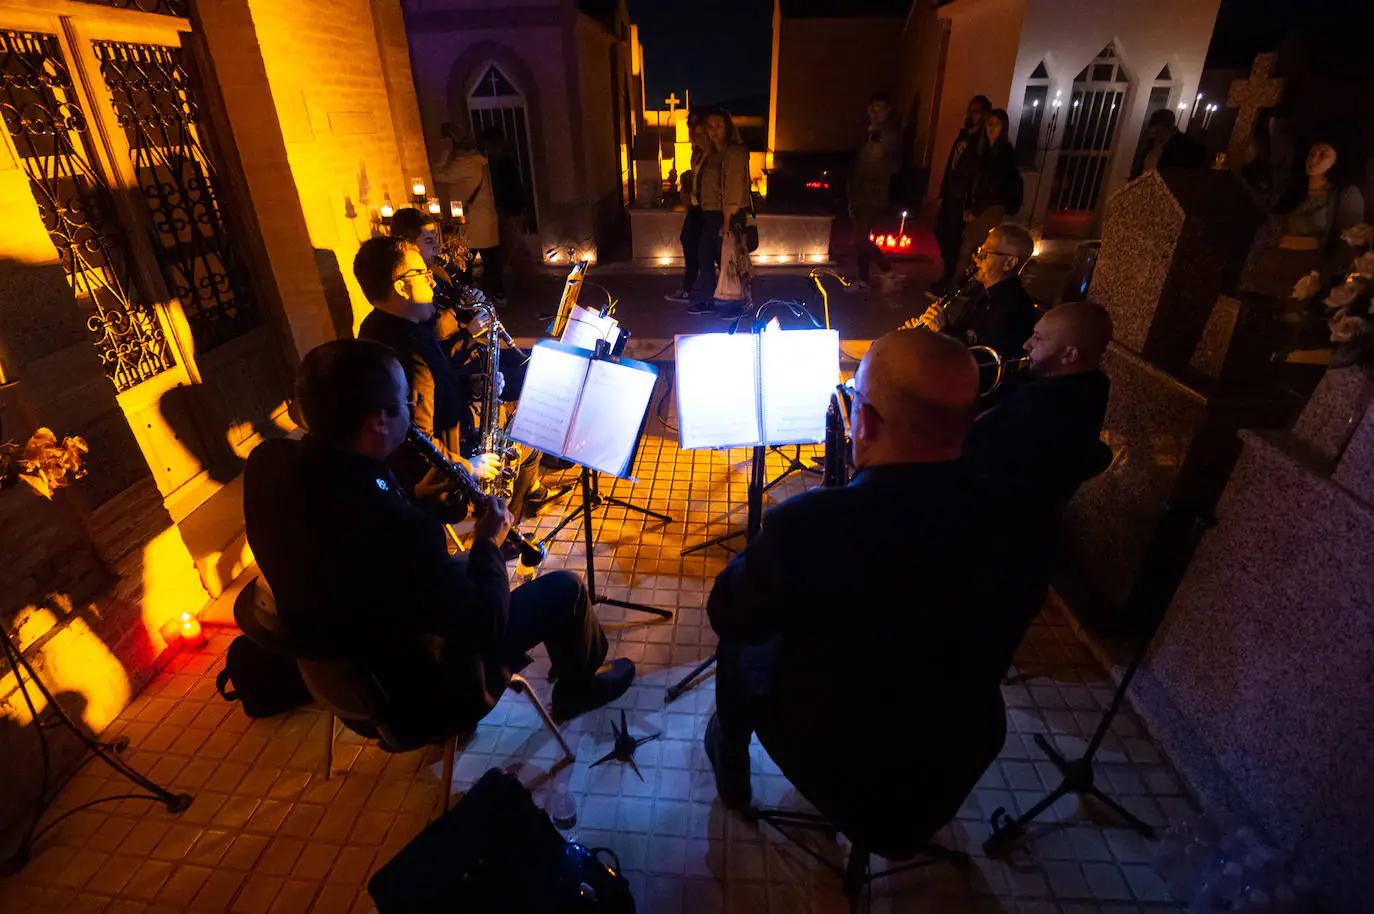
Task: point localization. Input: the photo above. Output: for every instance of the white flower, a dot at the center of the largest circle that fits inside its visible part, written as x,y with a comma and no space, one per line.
1358,235
1307,287
1344,294
1364,264
1345,327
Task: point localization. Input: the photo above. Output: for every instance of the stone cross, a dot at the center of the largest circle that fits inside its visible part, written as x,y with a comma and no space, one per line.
672,102
1250,95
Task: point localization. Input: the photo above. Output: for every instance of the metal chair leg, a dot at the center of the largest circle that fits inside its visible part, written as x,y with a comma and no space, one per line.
521,684
450,750
329,746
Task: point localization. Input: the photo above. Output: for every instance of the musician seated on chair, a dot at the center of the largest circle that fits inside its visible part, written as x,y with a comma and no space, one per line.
458,327
1045,434
861,678
360,568
394,277
996,311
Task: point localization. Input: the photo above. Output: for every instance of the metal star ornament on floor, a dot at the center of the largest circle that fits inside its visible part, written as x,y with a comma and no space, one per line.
625,745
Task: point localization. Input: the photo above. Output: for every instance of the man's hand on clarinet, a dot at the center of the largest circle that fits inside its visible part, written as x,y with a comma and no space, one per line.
933,318
436,491
495,522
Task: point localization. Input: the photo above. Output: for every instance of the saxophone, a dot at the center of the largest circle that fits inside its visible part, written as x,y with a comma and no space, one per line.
495,438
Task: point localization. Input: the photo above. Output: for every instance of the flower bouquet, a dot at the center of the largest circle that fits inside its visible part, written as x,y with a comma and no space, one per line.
1350,299
43,463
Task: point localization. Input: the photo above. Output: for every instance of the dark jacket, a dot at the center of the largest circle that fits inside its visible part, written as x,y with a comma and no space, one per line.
361,573
998,182
1001,317
440,397
1180,151
1044,435
961,168
878,601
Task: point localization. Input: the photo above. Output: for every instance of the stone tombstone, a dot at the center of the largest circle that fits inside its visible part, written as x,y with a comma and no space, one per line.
1172,243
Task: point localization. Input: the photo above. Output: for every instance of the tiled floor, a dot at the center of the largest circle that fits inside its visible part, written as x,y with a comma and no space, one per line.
268,832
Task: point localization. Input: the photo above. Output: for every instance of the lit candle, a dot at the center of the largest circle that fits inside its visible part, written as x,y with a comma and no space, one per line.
455,210
191,632
417,187
387,208
434,208
902,228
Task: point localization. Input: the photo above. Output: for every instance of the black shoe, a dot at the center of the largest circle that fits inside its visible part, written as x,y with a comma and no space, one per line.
730,314
539,500
573,699
702,307
732,777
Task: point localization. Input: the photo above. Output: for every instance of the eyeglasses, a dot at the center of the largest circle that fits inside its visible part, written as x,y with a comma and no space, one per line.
984,252
416,274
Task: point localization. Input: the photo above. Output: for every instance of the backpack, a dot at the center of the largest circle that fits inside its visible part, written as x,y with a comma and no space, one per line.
496,852
267,684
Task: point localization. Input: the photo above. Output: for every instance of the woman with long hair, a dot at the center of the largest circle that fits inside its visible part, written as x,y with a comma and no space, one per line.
997,189
724,190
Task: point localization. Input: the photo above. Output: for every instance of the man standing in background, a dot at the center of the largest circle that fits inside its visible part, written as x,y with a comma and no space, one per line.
870,183
961,169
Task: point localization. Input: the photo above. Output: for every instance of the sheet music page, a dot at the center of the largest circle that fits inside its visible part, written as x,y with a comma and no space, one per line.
606,426
553,381
800,369
717,390
585,327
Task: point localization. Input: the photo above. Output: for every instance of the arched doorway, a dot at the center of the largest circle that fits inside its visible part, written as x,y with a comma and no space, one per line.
1090,132
496,103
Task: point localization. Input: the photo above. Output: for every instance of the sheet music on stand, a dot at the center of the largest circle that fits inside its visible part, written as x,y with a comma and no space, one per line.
588,410
584,327
744,390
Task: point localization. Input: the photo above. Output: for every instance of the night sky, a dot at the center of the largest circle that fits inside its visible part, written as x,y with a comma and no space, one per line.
721,49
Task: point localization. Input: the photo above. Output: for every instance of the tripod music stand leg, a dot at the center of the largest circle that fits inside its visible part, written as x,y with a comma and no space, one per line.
674,691
588,494
563,523
715,541
612,500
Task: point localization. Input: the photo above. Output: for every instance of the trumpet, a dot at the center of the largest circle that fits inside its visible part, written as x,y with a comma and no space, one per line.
987,358
531,553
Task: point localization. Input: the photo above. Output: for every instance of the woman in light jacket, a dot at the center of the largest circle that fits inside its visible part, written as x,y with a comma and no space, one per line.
464,170
724,189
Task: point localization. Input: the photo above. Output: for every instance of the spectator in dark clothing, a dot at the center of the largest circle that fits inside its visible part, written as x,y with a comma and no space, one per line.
690,236
816,645
997,188
961,169
508,187
361,572
870,183
1169,147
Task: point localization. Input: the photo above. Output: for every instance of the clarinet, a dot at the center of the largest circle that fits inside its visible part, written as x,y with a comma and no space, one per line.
531,553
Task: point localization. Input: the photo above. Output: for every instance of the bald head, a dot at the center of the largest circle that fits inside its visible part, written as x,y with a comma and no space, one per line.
917,393
1070,339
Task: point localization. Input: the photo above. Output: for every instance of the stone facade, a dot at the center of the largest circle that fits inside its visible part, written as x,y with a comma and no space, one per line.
297,102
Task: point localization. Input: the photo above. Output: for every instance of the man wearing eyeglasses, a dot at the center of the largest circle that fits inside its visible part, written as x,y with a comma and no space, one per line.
998,313
400,287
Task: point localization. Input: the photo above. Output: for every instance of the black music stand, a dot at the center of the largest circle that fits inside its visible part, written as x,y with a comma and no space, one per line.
1175,541
109,753
591,500
755,521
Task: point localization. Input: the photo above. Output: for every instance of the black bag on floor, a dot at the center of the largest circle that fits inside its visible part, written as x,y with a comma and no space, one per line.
267,684
497,853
